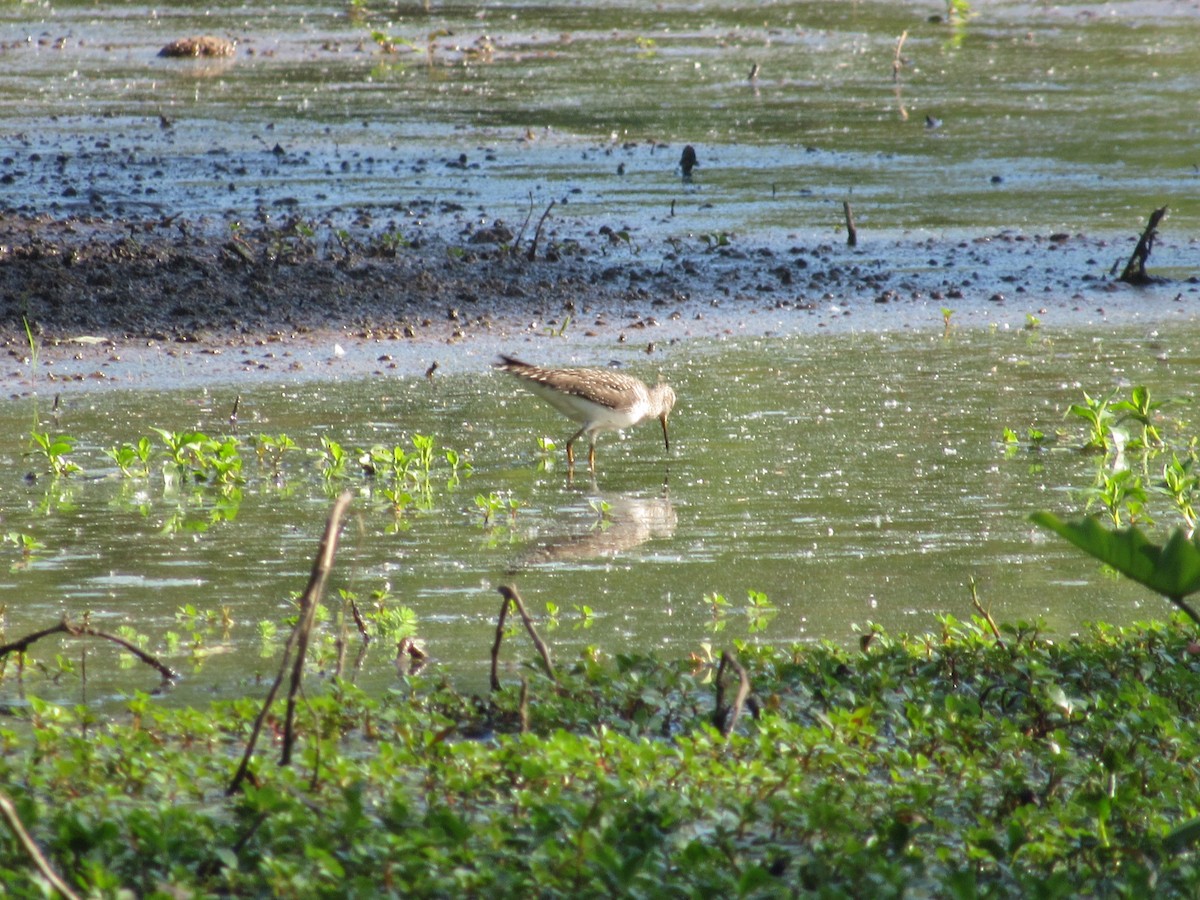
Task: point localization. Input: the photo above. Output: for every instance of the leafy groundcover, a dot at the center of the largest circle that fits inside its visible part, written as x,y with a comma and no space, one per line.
964,763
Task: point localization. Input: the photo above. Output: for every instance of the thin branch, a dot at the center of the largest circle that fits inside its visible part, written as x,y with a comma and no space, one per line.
495,681
726,718
316,583
987,616
510,595
308,611
521,232
31,849
65,627
537,234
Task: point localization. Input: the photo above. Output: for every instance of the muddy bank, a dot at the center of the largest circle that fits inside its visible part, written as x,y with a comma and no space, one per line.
102,295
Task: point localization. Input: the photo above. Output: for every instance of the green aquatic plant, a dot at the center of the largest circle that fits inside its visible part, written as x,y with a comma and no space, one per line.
34,348
603,510
759,611
27,544
1182,484
55,452
561,330
718,609
1139,408
270,450
492,504
133,460
459,467
1123,495
950,764
332,460
715,240
197,457
423,445
1099,418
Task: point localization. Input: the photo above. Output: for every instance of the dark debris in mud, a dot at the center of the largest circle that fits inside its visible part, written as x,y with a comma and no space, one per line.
166,280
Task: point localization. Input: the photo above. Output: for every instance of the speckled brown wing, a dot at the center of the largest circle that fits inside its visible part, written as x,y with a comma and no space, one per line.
601,386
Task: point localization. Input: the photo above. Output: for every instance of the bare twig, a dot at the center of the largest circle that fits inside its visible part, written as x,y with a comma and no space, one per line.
298,642
537,234
360,622
1135,269
521,233
851,231
308,612
511,597
31,849
495,680
65,627
725,718
986,614
510,593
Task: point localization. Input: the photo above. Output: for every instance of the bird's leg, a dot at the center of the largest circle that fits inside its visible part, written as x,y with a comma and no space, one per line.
571,447
592,458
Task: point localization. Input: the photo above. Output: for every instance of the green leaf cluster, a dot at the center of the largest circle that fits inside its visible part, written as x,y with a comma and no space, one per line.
961,763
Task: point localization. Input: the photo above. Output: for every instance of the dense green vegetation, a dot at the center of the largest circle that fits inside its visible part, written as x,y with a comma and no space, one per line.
974,761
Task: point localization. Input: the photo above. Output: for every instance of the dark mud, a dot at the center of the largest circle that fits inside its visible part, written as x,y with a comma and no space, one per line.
104,295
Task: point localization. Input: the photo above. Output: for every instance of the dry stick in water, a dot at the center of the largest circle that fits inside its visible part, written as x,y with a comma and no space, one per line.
898,60
31,849
851,231
65,627
298,641
1135,269
537,234
511,596
516,244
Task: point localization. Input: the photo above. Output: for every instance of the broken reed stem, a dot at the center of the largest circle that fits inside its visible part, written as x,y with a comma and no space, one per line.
516,244
511,597
537,234
1135,269
297,641
851,231
31,849
65,627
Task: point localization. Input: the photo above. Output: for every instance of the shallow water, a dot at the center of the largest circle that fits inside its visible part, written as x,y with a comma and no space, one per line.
851,478
1065,117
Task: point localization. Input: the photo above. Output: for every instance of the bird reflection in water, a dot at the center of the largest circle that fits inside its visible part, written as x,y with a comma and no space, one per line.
627,523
